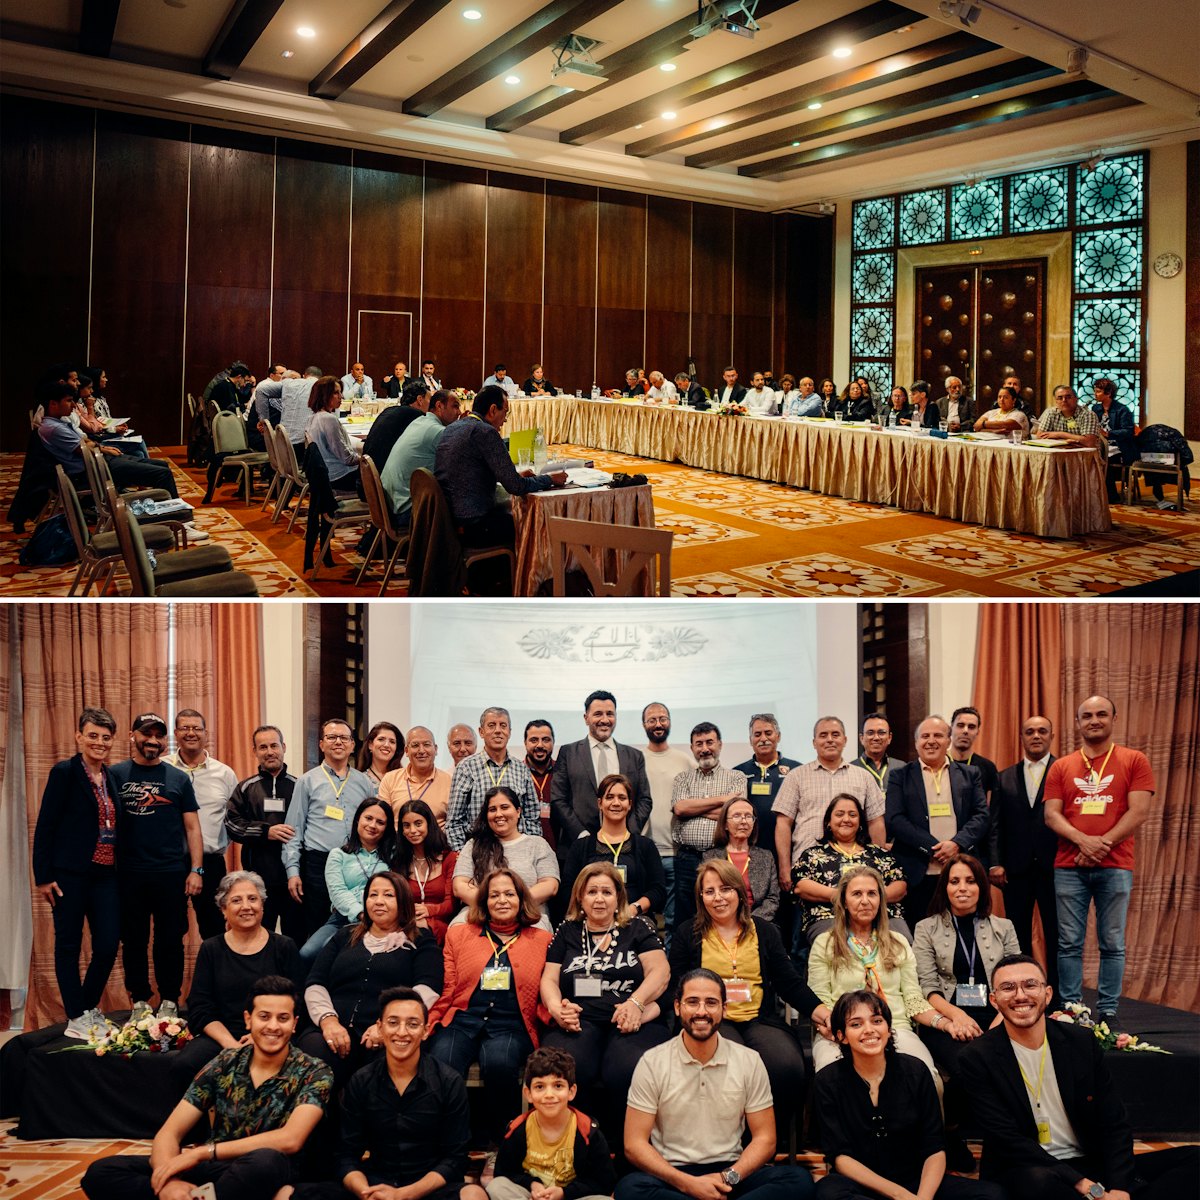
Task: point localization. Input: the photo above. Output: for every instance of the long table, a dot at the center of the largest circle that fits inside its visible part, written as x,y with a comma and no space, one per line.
1049,492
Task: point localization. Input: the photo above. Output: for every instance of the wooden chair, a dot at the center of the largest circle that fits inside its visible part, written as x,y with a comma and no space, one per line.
1155,473
626,551
384,523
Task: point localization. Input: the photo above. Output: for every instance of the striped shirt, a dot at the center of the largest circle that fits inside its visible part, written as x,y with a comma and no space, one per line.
807,792
697,832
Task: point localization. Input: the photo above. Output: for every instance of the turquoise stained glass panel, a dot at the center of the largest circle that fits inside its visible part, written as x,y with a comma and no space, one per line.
871,332
1108,330
976,209
1038,201
1112,191
1108,260
878,375
873,223
1128,381
923,217
873,279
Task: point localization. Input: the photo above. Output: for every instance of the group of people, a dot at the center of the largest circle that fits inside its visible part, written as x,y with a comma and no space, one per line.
565,904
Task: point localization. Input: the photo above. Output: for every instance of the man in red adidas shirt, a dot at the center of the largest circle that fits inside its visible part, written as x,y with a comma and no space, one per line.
1095,799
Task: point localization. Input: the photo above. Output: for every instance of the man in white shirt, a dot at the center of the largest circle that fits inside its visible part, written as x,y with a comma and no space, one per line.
730,390
499,378
662,390
357,385
292,394
663,763
760,399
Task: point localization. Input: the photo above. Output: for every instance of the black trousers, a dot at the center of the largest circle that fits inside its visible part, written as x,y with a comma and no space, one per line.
494,528
1020,895
137,473
916,902
279,906
209,917
317,905
687,863
158,897
1158,1175
952,1187
784,1060
254,1176
92,896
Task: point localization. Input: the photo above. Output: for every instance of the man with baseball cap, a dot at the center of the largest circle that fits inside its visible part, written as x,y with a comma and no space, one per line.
160,865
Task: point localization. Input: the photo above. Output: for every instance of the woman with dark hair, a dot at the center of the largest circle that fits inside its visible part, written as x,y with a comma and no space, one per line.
748,954
329,435
382,751
829,397
487,1012
635,857
833,403
898,409
880,1125
1117,425
368,850
496,841
734,840
845,842
383,949
424,858
857,404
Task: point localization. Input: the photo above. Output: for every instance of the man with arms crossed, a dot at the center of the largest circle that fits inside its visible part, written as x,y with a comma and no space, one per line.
663,762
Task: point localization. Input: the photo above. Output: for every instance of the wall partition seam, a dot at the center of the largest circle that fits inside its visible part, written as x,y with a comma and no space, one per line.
187,258
542,325
92,233
421,296
487,195
350,262
271,291
596,298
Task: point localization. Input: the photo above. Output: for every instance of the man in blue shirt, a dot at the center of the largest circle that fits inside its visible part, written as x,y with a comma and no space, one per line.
417,447
499,378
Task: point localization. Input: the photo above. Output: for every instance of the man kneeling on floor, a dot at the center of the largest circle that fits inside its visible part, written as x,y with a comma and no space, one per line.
265,1098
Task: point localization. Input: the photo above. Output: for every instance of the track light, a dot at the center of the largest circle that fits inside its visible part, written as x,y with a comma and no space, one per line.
964,10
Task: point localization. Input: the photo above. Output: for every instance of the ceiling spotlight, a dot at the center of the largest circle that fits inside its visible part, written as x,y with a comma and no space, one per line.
471,14
666,66
842,52
668,116
287,54
795,144
512,79
964,10
306,31
814,106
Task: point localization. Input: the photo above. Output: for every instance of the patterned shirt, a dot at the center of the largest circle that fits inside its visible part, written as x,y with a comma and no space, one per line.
240,1109
824,864
697,832
1083,423
473,778
806,794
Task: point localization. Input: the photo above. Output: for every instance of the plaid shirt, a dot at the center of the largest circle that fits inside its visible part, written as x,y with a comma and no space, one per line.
473,778
807,792
1083,423
697,832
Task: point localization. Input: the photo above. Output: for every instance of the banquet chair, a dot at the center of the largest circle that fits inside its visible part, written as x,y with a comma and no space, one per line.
100,479
384,523
326,511
231,451
625,552
294,480
276,475
1156,474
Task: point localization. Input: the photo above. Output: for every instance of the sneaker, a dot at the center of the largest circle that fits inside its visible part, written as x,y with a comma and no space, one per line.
195,534
141,1010
79,1028
1109,1019
168,1010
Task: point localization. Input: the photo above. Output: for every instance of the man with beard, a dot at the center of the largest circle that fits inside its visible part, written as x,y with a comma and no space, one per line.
663,762
419,778
255,822
697,797
1053,1123
161,864
539,758
265,1097
462,743
689,1104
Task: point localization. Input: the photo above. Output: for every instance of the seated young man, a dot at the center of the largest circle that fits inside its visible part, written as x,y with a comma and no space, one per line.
553,1151
266,1098
407,1113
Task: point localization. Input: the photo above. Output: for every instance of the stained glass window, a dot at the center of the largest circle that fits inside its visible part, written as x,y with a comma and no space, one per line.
923,217
873,221
976,209
873,279
1108,330
1128,381
878,375
1108,260
1110,191
871,331
1038,201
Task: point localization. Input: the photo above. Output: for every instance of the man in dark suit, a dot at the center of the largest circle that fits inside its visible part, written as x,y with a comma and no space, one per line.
580,767
730,389
935,810
1054,1125
1022,847
690,392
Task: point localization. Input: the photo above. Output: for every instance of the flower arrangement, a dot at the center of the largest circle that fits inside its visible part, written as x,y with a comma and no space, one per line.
151,1034
727,408
465,395
1079,1014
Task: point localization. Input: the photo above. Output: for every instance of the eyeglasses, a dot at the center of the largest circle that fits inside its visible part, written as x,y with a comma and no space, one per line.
339,737
1032,986
723,890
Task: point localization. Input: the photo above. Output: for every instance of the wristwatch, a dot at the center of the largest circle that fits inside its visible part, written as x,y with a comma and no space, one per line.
197,871
731,1177
1095,1191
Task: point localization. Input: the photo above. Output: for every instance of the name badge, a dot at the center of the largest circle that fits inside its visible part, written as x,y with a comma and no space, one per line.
495,979
941,808
274,804
1093,808
623,871
544,812
1043,1128
334,813
971,995
587,988
107,836
737,991
762,788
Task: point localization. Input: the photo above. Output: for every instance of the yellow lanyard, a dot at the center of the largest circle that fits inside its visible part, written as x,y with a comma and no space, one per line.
1037,775
499,948
614,850
1088,765
732,951
762,771
497,780
337,791
851,854
879,775
1037,1095
937,778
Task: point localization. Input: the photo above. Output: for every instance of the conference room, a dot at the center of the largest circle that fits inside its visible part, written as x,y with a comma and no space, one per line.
604,209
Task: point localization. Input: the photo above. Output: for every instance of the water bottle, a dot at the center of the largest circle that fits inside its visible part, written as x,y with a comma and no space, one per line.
153,559
539,450
595,391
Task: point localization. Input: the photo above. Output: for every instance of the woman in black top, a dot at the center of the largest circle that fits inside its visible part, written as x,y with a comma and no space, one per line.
899,411
880,1125
829,397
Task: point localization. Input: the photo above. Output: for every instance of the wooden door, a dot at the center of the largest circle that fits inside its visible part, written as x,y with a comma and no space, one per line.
946,302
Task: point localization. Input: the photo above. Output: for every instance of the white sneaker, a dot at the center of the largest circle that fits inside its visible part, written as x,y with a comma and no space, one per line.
101,1029
79,1028
140,1010
168,1010
195,534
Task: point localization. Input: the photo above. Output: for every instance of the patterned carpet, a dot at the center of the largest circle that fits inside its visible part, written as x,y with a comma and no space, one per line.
737,537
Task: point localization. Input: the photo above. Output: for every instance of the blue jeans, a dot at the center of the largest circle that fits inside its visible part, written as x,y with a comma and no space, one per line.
322,938
1074,890
668,864
767,1183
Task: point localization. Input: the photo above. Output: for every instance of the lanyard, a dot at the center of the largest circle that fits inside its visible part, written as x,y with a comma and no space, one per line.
497,780
849,854
763,771
937,778
408,784
974,946
731,950
337,791
107,808
615,851
589,944
1089,764
540,784
372,862
499,948
1035,774
879,775
1037,1095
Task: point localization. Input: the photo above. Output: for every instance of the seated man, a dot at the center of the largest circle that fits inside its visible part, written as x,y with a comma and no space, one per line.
417,447
266,1097
225,388
1066,421
537,384
804,401
730,390
471,460
662,390
357,385
689,1104
1053,1123
956,409
1116,423
759,399
690,392
395,383
391,424
499,378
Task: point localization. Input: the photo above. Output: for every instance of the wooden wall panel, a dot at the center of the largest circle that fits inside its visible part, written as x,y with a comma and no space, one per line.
804,296
712,295
668,284
385,260
621,285
229,254
138,268
569,334
312,256
452,320
753,267
46,184
516,221
1191,345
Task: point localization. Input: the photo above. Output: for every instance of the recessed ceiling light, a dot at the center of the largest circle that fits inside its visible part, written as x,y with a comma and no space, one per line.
471,14
975,97
795,143
666,66
287,54
814,105
306,31
668,116
842,52
637,127
511,79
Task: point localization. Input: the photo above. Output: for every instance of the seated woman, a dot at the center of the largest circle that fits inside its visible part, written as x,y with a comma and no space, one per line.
898,409
487,1012
496,841
733,841
383,949
748,954
1006,417
845,842
227,967
382,751
859,950
831,402
856,404
604,974
424,858
880,1125
326,431
634,856
368,850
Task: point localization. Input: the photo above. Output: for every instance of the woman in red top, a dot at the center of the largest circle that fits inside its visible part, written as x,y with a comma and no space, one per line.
487,1012
424,858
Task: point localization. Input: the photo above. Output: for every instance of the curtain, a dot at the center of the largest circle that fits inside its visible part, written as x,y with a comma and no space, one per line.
14,881
1146,659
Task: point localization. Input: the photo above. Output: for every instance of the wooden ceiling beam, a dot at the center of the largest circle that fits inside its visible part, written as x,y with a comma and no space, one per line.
244,25
97,24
